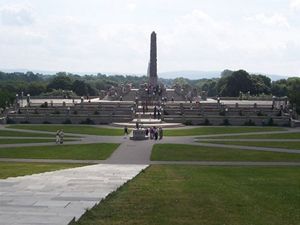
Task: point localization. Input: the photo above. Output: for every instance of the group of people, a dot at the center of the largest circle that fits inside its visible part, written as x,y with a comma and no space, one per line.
60,137
154,133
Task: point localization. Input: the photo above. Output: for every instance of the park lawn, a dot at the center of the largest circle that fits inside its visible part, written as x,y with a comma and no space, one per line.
176,152
27,141
217,130
8,169
78,152
268,144
295,135
177,194
75,129
12,133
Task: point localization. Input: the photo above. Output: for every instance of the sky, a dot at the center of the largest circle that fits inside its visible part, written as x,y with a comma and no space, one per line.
260,36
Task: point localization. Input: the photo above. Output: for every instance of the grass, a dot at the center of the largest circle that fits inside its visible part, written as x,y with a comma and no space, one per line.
287,145
295,135
75,129
27,141
218,130
10,133
192,195
22,169
175,152
79,152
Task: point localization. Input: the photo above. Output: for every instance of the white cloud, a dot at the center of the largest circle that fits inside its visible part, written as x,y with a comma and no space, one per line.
270,20
295,5
131,6
16,15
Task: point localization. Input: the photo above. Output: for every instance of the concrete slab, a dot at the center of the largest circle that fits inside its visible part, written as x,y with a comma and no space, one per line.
58,197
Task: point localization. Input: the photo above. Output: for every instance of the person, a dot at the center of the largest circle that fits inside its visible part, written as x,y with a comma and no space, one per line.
57,137
61,137
155,133
160,132
126,131
151,133
146,131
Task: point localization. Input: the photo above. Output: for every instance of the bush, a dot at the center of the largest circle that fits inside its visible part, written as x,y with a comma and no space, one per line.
259,113
46,122
56,112
96,113
25,122
226,122
10,121
67,121
271,122
75,112
87,121
206,122
188,123
249,123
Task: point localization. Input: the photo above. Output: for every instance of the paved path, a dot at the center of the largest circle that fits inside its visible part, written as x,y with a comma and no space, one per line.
55,198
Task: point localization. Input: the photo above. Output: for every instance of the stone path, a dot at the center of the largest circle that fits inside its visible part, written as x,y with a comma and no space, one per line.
55,198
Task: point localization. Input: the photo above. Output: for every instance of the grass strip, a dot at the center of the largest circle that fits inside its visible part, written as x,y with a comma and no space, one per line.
203,195
74,129
287,145
28,141
295,135
218,130
77,152
175,152
11,133
8,169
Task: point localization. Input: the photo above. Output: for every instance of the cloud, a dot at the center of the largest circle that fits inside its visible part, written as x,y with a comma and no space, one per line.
131,6
270,20
295,5
16,15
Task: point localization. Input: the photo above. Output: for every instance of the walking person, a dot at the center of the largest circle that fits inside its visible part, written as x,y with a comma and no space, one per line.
57,137
61,136
125,132
155,133
160,133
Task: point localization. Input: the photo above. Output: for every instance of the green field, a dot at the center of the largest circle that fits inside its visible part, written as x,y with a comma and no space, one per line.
192,195
21,169
287,145
295,135
11,133
27,141
217,130
75,129
175,152
80,152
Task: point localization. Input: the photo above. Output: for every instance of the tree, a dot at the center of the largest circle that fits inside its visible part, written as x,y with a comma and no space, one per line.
294,91
232,85
60,81
80,88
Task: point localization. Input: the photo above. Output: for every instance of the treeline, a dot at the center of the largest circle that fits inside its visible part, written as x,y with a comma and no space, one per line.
230,83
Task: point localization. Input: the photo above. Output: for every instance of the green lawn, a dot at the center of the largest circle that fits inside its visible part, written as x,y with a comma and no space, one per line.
81,152
10,133
21,169
217,130
189,195
288,145
75,129
26,141
295,135
175,152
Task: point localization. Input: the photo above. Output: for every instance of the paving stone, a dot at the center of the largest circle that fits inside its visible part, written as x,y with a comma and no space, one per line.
57,197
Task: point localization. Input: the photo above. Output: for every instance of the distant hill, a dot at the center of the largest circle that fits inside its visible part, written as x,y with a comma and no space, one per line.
189,74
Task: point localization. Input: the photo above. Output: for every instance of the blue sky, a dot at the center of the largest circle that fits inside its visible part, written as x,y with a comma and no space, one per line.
113,35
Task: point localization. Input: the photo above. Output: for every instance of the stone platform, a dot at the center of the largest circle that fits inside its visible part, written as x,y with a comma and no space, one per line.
55,198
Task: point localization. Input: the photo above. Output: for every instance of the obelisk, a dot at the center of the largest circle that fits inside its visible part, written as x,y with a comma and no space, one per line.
152,68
